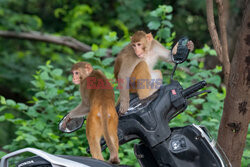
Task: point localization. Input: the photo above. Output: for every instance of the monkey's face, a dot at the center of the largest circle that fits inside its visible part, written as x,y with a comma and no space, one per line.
77,77
139,48
80,73
141,43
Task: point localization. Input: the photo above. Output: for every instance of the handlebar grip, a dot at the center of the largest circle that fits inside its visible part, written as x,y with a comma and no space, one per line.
194,88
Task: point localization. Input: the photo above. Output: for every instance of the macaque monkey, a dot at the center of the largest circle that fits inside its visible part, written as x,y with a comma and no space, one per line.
99,104
137,60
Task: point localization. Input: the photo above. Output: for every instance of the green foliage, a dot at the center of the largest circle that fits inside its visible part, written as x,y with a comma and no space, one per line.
39,128
91,22
54,97
99,24
160,20
246,154
204,109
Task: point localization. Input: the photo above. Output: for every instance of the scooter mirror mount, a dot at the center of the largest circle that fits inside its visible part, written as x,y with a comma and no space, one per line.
181,54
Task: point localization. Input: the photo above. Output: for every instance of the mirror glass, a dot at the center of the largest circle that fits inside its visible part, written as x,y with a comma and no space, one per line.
182,51
73,125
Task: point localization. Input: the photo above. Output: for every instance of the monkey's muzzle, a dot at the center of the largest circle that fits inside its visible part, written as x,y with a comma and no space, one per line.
72,125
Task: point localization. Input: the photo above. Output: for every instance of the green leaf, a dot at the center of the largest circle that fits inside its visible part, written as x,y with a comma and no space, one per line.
2,108
206,48
201,65
9,116
88,55
214,80
2,100
94,47
40,94
107,61
22,106
71,60
217,69
116,49
52,92
198,101
156,13
30,138
112,36
154,25
59,11
54,137
48,62
101,52
169,9
32,112
2,118
44,76
199,51
169,17
194,62
57,72
10,102
167,23
164,33
212,52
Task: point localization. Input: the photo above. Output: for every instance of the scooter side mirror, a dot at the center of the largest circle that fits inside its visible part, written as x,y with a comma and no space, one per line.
182,51
72,125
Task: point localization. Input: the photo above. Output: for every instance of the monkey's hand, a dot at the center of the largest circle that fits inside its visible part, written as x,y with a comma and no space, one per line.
174,50
190,45
124,105
65,121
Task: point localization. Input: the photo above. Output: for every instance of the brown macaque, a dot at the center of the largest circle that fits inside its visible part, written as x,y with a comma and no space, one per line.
99,104
137,60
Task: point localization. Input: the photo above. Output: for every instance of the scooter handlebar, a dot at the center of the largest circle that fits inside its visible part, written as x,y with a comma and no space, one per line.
194,88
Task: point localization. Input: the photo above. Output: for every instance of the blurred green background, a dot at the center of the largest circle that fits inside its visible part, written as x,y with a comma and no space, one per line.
35,82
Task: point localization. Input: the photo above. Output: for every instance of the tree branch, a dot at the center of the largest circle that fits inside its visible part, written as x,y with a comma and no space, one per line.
212,29
221,47
63,40
223,34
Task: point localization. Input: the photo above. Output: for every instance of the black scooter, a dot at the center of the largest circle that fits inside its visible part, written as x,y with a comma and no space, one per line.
147,120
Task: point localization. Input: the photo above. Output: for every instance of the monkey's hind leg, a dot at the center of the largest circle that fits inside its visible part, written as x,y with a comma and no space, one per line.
142,75
156,76
94,133
110,134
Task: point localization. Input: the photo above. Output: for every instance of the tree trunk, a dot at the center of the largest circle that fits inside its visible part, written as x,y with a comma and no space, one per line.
233,24
236,114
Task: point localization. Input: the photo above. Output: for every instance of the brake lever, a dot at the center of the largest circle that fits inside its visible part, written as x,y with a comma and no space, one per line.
198,93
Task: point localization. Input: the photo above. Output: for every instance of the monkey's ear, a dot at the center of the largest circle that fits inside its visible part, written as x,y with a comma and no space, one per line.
88,68
149,37
130,38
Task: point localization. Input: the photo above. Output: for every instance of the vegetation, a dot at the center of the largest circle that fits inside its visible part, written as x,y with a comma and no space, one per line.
36,89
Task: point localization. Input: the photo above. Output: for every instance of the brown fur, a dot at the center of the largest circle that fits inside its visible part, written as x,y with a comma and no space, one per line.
140,72
102,118
128,63
138,36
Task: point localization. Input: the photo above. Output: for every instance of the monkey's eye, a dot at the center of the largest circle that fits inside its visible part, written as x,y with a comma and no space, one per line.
76,73
133,45
139,44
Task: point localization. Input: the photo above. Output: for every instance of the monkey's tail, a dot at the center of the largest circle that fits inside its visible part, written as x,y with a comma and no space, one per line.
110,123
